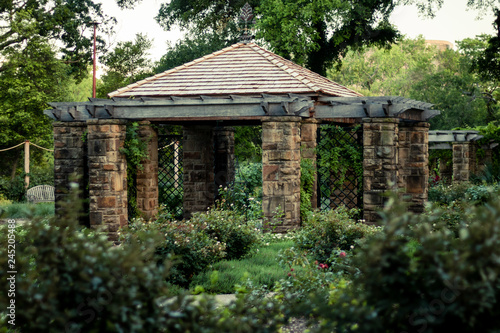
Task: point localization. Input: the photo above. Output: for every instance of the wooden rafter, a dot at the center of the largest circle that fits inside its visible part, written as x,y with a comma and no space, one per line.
244,107
204,107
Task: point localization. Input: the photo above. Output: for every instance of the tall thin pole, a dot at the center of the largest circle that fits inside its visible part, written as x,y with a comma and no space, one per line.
94,82
26,163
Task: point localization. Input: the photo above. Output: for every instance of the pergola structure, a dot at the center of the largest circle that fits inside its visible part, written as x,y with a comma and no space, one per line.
464,144
243,84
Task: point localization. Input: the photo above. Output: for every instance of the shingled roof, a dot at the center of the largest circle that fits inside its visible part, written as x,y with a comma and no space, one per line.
241,69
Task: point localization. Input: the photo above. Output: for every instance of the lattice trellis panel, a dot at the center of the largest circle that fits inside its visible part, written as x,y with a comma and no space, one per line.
340,167
170,186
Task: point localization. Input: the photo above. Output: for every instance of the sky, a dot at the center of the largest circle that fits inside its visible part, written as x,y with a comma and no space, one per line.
453,22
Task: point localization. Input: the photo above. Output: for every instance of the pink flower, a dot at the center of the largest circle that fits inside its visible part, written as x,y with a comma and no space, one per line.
289,274
291,269
342,254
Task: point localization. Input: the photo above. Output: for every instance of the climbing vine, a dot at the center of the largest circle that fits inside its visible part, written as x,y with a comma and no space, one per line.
136,151
339,154
307,172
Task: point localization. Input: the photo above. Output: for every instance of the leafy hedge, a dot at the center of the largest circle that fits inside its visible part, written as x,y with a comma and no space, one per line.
324,232
71,280
415,277
196,243
75,280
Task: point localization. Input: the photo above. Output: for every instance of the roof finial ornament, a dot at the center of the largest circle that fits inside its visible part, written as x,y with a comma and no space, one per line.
246,18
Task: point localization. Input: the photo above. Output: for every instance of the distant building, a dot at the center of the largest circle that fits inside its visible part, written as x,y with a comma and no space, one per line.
442,45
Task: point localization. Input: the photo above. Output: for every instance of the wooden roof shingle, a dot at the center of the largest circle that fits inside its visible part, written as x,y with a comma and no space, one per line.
240,69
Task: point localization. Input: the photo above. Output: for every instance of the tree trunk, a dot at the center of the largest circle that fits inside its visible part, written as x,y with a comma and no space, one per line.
317,61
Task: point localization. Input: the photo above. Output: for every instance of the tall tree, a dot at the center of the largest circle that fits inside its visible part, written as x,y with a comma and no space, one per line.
127,63
386,72
200,16
314,33
29,80
68,23
415,70
317,33
192,47
483,53
44,45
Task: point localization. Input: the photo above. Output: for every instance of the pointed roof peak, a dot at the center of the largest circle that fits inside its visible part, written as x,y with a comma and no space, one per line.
240,69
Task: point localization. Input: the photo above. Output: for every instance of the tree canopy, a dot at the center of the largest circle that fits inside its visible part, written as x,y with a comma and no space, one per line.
127,63
66,23
45,46
416,70
317,33
313,33
190,48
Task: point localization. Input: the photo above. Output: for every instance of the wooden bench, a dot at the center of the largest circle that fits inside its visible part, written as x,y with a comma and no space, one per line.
40,193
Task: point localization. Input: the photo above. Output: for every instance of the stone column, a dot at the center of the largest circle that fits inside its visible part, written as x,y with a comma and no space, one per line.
308,141
464,161
108,175
198,169
446,169
414,163
70,163
281,172
380,163
147,178
224,156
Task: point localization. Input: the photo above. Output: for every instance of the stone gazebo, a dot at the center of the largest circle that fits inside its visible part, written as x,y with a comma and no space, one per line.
243,84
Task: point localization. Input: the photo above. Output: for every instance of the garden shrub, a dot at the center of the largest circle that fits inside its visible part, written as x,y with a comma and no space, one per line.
304,276
416,278
251,312
182,241
450,216
240,235
323,232
244,195
451,202
196,243
463,191
13,189
70,280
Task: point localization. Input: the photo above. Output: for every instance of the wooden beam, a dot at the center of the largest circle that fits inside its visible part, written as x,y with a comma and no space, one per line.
182,108
442,145
453,136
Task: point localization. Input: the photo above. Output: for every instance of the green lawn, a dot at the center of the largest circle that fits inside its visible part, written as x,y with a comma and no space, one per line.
262,268
22,210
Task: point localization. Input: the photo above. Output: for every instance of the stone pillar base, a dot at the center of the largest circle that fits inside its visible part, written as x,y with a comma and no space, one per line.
198,164
380,163
281,173
147,178
70,164
108,175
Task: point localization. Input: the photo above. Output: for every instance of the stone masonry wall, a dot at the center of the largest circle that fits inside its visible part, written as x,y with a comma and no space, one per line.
281,172
380,162
70,161
308,141
464,161
224,156
108,175
198,169
147,178
413,163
